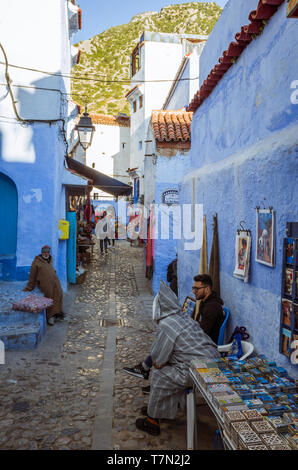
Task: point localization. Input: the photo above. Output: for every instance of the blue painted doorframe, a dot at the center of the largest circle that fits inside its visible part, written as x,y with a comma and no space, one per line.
8,216
71,247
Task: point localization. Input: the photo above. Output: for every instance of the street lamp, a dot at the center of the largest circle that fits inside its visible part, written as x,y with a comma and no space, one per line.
85,130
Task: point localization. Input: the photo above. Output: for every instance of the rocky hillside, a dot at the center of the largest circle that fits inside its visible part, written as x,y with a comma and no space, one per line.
106,56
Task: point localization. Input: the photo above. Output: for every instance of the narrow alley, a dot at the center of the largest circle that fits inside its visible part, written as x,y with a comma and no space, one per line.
70,393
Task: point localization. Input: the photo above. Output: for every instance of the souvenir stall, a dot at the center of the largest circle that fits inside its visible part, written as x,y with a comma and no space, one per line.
80,244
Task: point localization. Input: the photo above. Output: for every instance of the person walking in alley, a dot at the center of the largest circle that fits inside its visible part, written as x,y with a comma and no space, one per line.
43,274
179,340
101,232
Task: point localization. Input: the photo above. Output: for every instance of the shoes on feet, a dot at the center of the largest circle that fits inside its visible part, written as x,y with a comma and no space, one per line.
60,316
145,425
137,371
51,321
146,390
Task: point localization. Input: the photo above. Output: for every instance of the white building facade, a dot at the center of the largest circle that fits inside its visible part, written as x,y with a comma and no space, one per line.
154,65
37,116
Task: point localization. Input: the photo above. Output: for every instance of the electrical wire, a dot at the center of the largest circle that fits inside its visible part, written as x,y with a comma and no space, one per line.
30,121
97,80
48,89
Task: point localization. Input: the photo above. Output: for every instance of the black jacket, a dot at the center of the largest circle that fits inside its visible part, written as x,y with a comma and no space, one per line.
211,316
172,276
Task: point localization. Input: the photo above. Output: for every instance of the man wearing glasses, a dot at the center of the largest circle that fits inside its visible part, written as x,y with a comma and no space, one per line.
210,318
210,315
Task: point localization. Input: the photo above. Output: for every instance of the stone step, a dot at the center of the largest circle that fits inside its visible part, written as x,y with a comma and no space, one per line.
21,337
22,330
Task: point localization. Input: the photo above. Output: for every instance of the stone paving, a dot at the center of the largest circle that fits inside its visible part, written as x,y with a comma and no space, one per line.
70,393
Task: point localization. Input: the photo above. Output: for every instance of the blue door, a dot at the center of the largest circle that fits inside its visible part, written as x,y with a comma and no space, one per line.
8,216
71,247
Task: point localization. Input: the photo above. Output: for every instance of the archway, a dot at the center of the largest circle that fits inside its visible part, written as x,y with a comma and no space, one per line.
8,216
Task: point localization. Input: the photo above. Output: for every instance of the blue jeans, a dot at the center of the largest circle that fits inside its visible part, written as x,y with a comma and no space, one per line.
103,243
148,362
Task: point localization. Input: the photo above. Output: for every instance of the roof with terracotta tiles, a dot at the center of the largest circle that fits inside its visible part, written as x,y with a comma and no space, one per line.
258,18
172,127
107,120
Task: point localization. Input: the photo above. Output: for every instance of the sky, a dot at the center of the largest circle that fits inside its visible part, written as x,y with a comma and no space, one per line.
99,15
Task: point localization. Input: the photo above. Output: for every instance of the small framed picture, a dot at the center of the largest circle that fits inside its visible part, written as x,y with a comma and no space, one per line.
290,247
286,342
265,237
289,281
189,305
287,312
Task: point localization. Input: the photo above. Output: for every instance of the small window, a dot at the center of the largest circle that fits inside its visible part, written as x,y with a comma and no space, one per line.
141,102
95,195
135,106
123,145
93,165
140,145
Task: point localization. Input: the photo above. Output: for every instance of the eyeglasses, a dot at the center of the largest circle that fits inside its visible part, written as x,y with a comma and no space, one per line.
198,288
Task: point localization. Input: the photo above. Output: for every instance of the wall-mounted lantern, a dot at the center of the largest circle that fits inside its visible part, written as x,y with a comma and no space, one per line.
85,130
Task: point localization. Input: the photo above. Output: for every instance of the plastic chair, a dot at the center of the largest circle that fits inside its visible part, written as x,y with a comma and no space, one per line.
247,349
223,326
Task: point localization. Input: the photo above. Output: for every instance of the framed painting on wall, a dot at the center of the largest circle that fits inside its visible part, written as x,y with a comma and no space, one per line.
265,237
242,255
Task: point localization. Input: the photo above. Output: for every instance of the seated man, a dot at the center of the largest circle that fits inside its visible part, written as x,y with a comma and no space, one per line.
179,339
210,317
43,274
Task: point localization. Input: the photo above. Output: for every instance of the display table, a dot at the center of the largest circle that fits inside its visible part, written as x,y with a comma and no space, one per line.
192,435
254,403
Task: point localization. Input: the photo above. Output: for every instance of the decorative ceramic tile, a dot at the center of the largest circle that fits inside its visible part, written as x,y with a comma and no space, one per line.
271,439
261,426
234,416
252,415
216,388
257,447
238,427
280,447
249,437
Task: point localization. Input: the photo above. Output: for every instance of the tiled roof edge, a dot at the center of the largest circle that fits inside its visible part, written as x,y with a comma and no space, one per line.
258,20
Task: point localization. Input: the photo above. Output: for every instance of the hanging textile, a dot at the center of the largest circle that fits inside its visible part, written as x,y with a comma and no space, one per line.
150,247
203,261
214,259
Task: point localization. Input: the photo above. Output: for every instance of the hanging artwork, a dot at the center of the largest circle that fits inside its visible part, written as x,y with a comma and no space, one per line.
189,305
265,237
242,255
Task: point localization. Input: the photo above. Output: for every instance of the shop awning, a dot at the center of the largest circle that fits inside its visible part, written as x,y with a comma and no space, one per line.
99,180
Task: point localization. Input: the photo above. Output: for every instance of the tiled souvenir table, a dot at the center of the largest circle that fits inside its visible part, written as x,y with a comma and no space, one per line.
253,401
192,437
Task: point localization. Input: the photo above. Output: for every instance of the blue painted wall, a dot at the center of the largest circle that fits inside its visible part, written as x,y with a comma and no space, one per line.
245,149
168,176
41,200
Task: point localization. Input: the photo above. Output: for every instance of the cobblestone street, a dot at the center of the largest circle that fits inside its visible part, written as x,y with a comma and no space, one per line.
70,393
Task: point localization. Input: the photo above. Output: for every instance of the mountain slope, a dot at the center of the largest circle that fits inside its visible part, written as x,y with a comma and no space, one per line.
106,56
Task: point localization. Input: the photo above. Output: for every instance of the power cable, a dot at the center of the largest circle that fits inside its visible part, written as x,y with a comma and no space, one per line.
86,78
30,121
